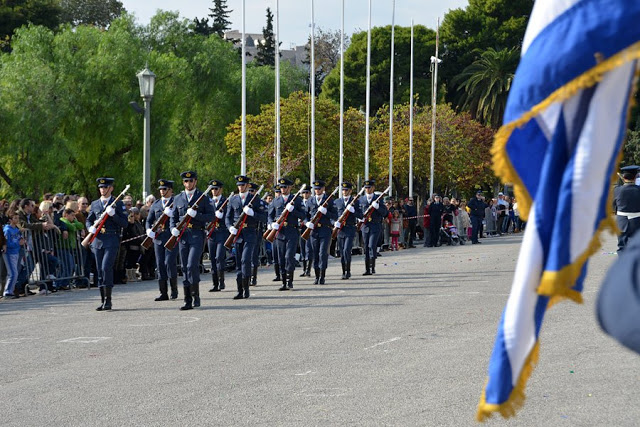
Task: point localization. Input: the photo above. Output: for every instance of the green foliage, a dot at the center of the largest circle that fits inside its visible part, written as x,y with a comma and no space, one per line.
16,13
484,85
356,62
267,51
220,17
90,12
631,148
64,104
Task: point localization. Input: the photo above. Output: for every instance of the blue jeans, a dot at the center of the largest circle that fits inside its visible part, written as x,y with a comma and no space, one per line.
11,262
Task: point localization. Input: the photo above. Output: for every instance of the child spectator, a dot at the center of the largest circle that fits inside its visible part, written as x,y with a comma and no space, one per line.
394,228
11,249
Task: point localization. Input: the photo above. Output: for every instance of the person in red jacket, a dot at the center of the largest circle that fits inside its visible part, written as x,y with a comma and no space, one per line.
426,223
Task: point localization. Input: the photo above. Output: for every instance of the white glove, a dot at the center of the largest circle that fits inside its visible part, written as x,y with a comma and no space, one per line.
289,207
322,210
233,230
110,211
192,212
219,215
268,226
375,205
275,226
92,230
338,224
175,232
310,225
151,233
351,209
168,211
248,211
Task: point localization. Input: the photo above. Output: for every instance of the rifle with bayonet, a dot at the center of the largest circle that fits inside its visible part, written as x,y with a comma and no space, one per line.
270,235
160,222
184,222
86,242
343,218
239,225
317,216
370,209
214,224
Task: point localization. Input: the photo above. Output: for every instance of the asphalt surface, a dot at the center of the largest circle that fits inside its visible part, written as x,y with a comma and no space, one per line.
408,346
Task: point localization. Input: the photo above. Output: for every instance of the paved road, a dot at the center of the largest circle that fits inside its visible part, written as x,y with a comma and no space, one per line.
409,346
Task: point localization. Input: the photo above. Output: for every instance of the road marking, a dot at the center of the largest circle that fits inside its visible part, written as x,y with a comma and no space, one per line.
384,342
306,373
181,321
85,340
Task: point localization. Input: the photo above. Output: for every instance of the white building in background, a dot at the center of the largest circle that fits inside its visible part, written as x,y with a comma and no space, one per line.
295,56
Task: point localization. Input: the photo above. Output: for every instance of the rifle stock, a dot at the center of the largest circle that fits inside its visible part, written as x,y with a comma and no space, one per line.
213,224
231,240
148,241
370,209
90,237
345,215
186,219
305,235
270,235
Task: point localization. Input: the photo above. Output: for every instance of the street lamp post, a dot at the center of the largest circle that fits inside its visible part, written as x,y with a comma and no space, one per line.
147,81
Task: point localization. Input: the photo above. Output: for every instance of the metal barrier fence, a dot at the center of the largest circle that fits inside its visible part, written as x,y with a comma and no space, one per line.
52,260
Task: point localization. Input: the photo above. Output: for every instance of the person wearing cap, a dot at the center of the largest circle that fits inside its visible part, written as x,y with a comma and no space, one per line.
477,208
347,229
219,235
260,229
436,209
246,238
411,212
626,205
107,242
191,237
372,226
286,242
276,262
321,232
306,248
166,260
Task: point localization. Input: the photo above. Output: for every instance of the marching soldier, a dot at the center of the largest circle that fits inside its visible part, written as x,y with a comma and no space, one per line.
372,226
192,239
276,262
306,249
217,251
347,230
255,260
247,239
321,234
287,238
107,242
626,205
165,259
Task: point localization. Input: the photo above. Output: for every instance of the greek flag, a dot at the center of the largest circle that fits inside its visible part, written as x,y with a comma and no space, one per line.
563,130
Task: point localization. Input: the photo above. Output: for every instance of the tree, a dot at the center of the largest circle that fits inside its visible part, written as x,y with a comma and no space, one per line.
201,26
267,49
90,12
16,13
220,17
356,61
483,24
326,54
484,85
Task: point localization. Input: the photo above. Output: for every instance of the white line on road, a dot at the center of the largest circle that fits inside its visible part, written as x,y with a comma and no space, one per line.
384,342
85,340
306,373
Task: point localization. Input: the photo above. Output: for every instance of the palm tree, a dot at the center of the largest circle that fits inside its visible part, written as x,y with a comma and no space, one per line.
483,86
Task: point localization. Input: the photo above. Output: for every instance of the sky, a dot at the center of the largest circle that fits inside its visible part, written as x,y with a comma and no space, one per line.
295,15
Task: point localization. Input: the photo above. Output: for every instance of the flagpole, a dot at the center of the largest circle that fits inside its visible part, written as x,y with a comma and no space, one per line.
368,101
411,117
434,89
341,168
243,150
277,103
393,28
313,96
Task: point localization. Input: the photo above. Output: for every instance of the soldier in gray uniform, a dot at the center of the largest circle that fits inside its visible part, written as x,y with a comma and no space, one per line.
321,234
626,205
347,230
260,229
306,249
166,260
372,225
217,251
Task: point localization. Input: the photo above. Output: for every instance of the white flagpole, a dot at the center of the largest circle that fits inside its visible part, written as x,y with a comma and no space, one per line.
368,101
411,117
341,168
434,88
243,165
393,28
277,100
313,96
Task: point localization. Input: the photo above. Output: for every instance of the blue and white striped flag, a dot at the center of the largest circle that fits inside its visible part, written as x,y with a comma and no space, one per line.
563,129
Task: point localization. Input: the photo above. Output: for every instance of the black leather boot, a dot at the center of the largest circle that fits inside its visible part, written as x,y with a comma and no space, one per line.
188,299
276,267
304,268
367,264
245,285
290,281
344,271
216,283
373,266
164,296
240,290
221,279
317,272
254,276
284,282
348,270
101,299
308,273
107,298
322,273
173,282
195,293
